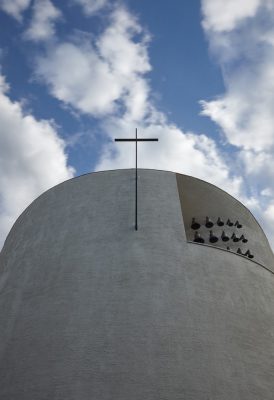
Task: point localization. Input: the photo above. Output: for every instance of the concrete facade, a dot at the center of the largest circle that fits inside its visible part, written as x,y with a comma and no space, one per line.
92,309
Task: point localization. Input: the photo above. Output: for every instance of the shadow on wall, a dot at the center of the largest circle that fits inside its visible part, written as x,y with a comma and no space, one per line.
215,218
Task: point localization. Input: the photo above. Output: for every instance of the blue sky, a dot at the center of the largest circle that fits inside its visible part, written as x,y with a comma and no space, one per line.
197,74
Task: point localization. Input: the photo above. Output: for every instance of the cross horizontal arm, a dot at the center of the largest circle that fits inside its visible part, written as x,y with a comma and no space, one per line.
136,140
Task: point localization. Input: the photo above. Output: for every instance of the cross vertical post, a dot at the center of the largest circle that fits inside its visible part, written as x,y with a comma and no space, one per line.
136,168
136,184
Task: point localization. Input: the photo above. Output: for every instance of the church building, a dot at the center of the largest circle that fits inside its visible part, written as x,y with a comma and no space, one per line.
181,308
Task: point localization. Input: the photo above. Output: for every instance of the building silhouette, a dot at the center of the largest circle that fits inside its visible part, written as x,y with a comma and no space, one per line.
182,308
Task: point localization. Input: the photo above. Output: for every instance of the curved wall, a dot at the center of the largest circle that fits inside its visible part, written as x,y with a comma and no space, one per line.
209,205
92,309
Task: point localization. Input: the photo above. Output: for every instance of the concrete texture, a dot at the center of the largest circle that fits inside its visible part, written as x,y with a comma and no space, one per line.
200,199
92,309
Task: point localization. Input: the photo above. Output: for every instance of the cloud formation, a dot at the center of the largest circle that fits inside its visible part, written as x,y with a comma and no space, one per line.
14,8
32,159
107,78
91,7
241,38
224,16
42,26
178,151
98,76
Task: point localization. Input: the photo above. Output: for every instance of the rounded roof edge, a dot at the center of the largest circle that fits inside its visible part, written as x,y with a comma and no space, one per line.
129,169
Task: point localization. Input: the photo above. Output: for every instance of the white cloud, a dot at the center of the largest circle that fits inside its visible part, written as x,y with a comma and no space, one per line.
177,151
102,76
91,7
77,76
245,125
15,8
269,213
106,78
42,26
267,192
225,15
246,54
32,159
128,60
242,41
267,219
259,164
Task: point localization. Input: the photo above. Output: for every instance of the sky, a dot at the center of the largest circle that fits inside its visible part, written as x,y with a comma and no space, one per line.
198,75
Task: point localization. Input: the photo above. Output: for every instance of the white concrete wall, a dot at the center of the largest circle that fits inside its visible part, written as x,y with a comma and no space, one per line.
90,309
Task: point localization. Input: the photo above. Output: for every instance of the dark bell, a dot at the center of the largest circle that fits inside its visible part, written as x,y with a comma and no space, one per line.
195,225
235,238
243,239
209,223
213,238
220,222
224,237
229,223
248,254
239,251
238,225
198,238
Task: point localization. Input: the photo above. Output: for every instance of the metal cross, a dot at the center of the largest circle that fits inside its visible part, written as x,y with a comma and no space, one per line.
136,178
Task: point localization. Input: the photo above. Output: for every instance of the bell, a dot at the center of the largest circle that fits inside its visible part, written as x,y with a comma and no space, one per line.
248,254
220,222
235,238
229,223
224,237
243,239
195,225
198,238
209,223
213,238
238,225
239,251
